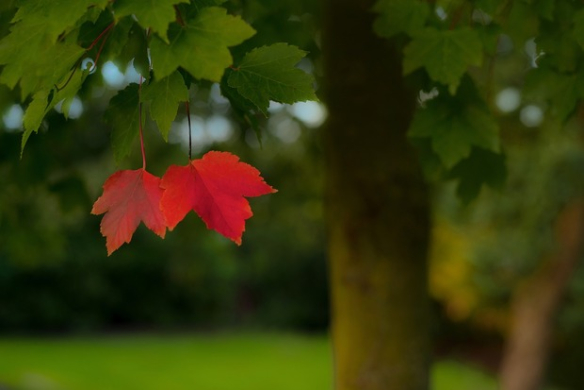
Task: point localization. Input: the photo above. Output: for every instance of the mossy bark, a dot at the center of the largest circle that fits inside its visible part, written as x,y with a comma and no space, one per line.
377,209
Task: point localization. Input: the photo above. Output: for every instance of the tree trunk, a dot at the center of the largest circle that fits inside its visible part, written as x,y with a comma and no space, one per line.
537,301
377,209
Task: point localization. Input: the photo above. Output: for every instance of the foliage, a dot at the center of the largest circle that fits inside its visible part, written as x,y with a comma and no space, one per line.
171,44
271,68
455,48
214,187
194,42
451,48
446,55
129,197
455,125
163,110
182,37
463,56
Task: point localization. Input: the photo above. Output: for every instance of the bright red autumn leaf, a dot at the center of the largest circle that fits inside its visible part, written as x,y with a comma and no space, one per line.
214,187
129,196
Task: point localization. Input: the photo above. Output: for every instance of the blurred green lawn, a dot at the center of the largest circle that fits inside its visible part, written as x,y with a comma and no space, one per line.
177,362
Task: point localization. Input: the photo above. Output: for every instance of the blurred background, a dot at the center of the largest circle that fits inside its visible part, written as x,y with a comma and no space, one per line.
196,311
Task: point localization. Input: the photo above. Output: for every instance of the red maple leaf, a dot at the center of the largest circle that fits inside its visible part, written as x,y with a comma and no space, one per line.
129,196
214,187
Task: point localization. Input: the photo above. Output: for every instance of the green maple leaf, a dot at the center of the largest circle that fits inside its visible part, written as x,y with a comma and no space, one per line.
269,73
44,100
20,52
455,129
135,48
15,59
201,46
67,92
245,110
154,14
522,22
561,91
482,167
396,16
33,117
118,47
165,96
123,114
52,17
445,55
47,76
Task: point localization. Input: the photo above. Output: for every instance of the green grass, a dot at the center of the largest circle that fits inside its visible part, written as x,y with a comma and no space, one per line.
201,362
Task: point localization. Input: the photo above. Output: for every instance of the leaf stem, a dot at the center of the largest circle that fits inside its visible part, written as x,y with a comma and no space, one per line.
189,121
179,18
100,36
68,79
98,54
140,123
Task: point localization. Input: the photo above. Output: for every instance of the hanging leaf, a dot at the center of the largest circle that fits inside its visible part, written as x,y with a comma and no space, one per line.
165,96
129,197
215,187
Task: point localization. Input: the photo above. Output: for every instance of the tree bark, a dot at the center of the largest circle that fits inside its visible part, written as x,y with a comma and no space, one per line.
537,301
377,209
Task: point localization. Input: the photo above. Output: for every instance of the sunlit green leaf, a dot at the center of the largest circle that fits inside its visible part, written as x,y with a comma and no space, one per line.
20,54
201,46
51,17
269,73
